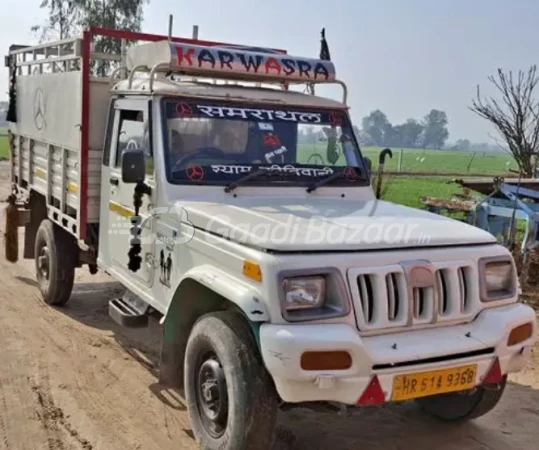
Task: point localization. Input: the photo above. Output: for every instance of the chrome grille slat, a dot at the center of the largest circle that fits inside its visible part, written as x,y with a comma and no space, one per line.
366,297
392,296
463,288
441,281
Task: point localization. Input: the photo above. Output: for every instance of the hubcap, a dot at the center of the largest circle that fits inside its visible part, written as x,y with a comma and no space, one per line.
43,262
212,395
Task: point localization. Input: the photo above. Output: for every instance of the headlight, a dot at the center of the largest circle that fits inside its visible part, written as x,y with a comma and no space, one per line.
304,292
313,294
498,280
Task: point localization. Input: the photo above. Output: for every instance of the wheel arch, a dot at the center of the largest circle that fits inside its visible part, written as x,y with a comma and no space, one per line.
203,290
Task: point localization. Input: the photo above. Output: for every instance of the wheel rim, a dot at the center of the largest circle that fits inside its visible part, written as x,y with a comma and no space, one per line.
212,396
43,263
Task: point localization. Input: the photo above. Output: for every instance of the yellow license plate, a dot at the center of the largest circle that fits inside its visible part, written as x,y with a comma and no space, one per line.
415,385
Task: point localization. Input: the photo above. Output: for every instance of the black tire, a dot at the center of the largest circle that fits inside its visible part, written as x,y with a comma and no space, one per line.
55,259
460,407
223,343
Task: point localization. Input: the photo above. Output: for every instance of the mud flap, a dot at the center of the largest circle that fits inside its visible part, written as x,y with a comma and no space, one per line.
172,350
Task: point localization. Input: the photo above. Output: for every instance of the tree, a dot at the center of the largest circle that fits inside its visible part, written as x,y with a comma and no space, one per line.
515,115
435,131
62,21
68,17
408,134
377,127
462,144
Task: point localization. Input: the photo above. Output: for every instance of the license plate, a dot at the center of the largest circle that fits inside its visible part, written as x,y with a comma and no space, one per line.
423,384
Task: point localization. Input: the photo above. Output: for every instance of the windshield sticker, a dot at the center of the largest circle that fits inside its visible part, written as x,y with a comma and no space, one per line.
231,170
279,152
275,168
271,140
184,110
335,119
350,174
265,126
194,172
262,115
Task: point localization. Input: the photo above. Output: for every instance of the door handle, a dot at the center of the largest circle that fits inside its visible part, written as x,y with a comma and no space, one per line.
114,181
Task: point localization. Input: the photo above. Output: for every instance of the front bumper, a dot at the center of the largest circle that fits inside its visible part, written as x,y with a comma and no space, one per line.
478,342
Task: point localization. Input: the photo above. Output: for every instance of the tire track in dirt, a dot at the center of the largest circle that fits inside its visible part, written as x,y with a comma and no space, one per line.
3,424
54,420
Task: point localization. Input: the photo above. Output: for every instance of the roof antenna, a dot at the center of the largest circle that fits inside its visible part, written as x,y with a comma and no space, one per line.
195,38
170,25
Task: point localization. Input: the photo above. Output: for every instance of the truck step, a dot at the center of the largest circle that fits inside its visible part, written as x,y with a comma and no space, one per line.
129,311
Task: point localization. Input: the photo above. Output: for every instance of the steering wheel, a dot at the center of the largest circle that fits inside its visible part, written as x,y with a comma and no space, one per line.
203,152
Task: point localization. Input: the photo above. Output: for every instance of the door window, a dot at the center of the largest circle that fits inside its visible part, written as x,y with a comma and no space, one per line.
134,135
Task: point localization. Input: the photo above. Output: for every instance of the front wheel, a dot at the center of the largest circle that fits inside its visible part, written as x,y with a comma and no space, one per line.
55,258
231,399
463,406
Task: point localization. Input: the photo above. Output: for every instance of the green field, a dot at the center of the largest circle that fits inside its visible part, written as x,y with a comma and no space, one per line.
4,151
445,161
417,160
408,190
403,189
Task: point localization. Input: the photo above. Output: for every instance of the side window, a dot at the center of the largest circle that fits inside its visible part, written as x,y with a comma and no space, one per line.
134,134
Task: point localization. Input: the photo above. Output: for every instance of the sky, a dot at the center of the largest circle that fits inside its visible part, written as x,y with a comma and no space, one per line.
404,57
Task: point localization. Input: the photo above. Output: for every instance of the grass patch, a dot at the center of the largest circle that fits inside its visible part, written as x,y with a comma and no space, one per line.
448,161
4,148
408,190
417,160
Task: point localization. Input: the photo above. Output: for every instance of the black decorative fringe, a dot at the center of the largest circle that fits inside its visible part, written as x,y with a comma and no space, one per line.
11,237
12,108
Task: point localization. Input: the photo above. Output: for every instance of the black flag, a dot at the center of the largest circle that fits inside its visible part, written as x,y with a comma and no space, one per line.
12,108
324,49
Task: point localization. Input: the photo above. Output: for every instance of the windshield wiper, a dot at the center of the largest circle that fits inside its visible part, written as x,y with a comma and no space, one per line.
333,177
251,176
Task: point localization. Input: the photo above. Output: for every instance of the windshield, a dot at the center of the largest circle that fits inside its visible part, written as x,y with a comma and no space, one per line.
217,143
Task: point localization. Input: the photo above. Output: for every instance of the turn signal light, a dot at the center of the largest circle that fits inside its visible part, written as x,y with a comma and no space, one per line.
252,270
338,360
494,374
373,394
520,334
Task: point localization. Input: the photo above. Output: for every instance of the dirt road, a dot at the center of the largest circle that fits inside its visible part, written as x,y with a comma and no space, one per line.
70,379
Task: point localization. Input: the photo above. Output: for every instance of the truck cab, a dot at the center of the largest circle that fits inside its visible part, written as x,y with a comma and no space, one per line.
240,211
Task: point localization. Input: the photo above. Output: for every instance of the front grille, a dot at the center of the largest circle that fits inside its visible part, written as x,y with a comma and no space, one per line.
383,298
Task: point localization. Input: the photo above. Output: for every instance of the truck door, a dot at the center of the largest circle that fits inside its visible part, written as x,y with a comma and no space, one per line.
132,128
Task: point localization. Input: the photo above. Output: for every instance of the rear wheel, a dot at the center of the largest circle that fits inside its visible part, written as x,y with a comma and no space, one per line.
463,406
55,259
231,399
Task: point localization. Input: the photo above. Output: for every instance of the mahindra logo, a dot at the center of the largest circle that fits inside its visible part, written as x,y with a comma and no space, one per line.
420,278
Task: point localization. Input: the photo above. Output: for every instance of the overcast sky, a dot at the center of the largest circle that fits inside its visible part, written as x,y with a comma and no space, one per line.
401,56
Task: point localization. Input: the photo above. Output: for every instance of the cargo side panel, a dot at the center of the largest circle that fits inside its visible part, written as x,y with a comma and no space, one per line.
49,108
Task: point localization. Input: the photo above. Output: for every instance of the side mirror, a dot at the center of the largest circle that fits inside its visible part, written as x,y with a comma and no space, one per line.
133,166
368,163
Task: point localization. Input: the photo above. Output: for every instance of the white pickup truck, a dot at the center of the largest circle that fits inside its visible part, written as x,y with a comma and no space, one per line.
240,210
